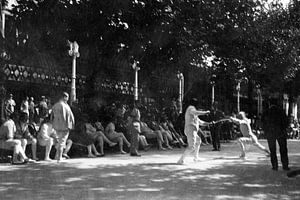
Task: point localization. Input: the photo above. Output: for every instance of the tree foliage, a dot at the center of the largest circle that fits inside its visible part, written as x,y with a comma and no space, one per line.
232,39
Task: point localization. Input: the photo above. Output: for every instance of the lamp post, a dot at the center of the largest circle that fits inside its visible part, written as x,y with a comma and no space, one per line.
286,103
136,69
74,53
181,89
238,89
259,100
212,82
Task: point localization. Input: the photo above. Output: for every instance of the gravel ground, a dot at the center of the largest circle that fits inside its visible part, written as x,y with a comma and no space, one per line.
155,175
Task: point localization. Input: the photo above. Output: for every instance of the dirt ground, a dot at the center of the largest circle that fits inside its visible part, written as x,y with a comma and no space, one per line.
155,175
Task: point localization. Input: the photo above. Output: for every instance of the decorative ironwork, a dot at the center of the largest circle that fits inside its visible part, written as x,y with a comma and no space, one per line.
41,76
119,87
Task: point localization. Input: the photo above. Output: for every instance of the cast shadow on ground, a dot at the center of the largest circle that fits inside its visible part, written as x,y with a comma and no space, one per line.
233,180
217,176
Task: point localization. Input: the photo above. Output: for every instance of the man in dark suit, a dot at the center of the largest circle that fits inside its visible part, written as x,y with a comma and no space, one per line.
215,129
275,123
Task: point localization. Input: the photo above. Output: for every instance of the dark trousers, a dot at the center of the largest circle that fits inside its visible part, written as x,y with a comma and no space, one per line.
215,136
201,135
282,149
134,137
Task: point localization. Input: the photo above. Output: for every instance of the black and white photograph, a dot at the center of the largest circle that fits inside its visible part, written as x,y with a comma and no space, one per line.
149,99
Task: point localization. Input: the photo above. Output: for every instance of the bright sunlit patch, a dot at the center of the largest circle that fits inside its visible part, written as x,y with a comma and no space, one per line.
144,189
69,180
161,180
139,189
99,189
102,189
257,185
111,175
8,168
3,189
9,183
193,177
211,176
228,183
295,192
222,197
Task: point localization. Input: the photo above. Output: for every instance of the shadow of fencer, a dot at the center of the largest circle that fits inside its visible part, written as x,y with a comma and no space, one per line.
293,173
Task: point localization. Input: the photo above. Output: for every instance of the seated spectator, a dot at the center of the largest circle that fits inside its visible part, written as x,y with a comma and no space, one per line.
121,120
293,129
156,127
203,136
114,136
86,134
143,143
98,131
167,136
47,137
172,135
150,134
8,141
22,133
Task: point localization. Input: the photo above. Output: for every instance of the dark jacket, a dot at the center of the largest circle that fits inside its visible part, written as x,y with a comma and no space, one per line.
275,122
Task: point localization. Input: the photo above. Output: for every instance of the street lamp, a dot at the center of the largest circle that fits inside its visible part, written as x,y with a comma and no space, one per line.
74,53
136,69
181,89
238,89
259,100
213,82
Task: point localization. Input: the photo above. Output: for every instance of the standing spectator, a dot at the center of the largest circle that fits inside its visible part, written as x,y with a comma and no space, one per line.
31,109
49,105
63,121
134,129
22,133
43,108
215,129
275,123
10,105
25,106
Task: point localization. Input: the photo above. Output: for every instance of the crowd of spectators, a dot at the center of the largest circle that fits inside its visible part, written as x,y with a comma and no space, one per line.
95,130
102,129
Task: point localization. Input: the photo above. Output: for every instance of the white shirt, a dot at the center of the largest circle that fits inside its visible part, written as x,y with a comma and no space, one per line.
191,117
8,130
46,131
62,117
245,126
11,105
